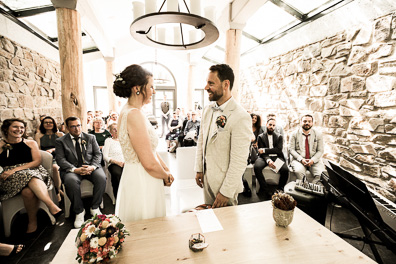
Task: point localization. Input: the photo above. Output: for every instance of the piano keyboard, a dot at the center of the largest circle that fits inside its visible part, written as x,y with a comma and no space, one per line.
309,187
386,208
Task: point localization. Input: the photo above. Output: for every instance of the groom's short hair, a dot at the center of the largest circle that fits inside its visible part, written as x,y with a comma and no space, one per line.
224,72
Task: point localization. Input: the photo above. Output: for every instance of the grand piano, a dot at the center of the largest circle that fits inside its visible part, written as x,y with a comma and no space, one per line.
376,214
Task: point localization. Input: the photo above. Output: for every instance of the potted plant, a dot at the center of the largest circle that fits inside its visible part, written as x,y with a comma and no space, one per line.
283,208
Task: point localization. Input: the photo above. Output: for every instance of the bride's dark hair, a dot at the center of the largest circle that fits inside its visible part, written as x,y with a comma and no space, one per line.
133,75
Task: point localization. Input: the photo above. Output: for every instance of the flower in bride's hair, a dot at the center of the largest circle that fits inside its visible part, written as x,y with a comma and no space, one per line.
119,78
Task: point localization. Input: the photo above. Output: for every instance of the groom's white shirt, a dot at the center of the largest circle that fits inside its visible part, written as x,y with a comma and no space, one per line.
222,152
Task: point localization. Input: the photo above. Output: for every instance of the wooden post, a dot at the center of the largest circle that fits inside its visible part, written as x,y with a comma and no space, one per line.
232,57
110,80
71,64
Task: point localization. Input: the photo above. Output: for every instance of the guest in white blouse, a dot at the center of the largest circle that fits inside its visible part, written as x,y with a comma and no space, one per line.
112,154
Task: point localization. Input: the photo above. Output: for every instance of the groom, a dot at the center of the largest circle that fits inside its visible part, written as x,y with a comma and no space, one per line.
223,143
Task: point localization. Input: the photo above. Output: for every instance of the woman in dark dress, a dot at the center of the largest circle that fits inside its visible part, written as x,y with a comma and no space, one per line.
22,172
100,133
46,141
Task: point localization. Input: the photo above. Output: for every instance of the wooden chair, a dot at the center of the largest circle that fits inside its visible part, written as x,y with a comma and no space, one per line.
12,206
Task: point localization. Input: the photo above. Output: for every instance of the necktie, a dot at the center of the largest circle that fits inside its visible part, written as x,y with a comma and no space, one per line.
217,108
306,147
79,153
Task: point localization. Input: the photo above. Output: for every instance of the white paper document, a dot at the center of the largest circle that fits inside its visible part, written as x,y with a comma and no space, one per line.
208,221
278,164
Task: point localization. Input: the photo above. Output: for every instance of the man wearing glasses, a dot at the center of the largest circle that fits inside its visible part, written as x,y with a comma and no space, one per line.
78,156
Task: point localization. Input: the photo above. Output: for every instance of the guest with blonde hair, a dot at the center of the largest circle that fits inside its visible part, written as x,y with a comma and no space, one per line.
99,132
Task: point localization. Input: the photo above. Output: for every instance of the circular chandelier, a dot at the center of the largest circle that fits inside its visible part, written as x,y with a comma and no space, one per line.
142,26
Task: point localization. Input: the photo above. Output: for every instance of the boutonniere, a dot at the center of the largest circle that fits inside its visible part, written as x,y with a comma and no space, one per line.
84,143
221,121
7,147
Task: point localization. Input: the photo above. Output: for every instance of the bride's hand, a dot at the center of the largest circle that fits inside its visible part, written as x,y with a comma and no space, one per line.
168,180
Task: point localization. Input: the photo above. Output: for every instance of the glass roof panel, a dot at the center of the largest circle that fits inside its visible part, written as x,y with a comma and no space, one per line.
306,6
268,19
215,54
87,42
25,4
247,44
45,22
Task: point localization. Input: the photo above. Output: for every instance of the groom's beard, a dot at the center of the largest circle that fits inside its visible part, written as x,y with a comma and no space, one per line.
215,95
270,131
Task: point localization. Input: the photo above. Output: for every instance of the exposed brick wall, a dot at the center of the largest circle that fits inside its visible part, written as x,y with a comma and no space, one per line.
29,85
348,82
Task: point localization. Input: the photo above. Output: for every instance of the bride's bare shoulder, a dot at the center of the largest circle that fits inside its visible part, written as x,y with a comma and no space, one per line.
135,115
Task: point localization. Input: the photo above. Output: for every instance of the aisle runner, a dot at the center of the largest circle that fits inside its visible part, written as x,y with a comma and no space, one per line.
208,221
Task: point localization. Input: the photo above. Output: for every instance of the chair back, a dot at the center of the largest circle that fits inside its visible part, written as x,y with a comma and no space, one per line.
185,158
46,161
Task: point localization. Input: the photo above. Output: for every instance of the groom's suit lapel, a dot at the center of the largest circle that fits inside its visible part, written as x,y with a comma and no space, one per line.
208,121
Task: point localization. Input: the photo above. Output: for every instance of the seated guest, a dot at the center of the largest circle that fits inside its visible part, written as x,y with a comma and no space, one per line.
46,141
306,147
181,136
62,128
99,132
253,154
113,118
191,131
78,156
256,127
22,171
174,127
278,128
112,154
270,145
89,123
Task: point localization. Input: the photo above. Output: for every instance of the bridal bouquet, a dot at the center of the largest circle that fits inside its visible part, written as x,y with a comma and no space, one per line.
100,239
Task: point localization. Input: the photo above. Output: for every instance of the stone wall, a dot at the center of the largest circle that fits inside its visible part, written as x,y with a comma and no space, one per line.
348,82
30,85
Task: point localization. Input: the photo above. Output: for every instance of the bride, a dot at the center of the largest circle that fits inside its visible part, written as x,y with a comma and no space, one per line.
141,190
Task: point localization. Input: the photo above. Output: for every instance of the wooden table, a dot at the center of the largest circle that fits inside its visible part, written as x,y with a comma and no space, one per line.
249,236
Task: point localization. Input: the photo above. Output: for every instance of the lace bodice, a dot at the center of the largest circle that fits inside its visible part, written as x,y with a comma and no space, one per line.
129,153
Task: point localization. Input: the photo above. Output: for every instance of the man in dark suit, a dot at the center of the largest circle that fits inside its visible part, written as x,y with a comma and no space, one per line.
78,156
270,146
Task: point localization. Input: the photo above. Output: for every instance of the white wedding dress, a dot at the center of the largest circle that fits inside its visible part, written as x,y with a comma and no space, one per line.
140,195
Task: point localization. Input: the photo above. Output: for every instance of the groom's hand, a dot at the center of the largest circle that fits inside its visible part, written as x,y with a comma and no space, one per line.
199,178
220,201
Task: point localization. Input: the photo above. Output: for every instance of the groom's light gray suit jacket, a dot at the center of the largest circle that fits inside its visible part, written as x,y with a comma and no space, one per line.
223,155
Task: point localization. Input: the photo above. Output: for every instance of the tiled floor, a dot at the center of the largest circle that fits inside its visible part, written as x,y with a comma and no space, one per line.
44,246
